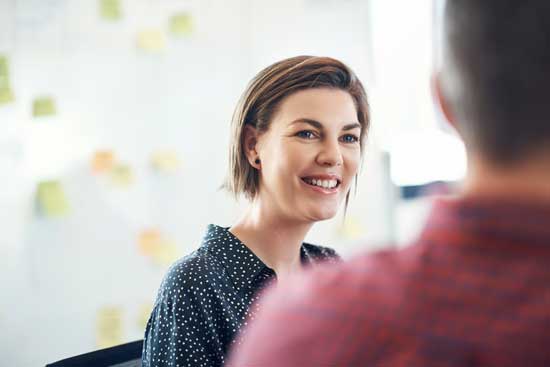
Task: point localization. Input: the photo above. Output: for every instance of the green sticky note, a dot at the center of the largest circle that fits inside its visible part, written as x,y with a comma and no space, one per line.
122,175
181,24
110,9
6,95
51,199
4,82
4,66
44,106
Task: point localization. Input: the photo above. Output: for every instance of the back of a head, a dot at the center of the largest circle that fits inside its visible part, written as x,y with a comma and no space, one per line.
496,75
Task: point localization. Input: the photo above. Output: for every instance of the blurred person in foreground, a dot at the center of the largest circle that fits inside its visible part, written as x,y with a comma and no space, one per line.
474,288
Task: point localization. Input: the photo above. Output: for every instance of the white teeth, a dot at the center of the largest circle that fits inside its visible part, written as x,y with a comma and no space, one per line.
327,184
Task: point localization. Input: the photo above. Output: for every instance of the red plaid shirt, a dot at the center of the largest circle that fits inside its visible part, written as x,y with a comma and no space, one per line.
473,290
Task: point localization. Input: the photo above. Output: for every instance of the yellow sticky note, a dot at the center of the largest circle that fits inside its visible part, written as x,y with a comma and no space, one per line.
351,229
143,315
166,253
51,199
43,106
154,245
103,161
181,24
109,327
121,175
151,40
148,241
165,161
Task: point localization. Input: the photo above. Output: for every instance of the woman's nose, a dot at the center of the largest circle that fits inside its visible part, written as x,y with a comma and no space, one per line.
330,154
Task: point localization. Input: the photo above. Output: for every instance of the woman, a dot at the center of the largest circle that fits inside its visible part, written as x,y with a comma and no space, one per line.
296,146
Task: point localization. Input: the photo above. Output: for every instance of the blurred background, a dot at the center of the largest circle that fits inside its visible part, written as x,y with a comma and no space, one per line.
115,119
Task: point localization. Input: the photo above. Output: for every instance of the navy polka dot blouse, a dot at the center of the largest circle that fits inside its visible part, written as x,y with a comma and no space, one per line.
206,297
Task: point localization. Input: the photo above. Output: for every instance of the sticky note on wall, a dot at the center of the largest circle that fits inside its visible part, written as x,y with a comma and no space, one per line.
148,240
166,253
110,9
122,175
181,25
151,40
4,71
103,161
51,199
6,93
154,245
143,315
6,96
43,106
109,327
165,161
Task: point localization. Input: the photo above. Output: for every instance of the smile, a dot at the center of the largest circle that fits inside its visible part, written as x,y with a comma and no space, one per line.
329,184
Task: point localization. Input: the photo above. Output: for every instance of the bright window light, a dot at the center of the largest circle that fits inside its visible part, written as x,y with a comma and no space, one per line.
422,157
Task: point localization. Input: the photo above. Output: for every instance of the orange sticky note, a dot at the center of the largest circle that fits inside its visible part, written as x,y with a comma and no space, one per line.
103,161
148,241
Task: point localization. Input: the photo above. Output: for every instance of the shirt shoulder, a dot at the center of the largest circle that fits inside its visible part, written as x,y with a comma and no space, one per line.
320,253
191,274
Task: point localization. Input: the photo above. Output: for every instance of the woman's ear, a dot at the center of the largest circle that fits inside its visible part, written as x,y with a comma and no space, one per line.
250,145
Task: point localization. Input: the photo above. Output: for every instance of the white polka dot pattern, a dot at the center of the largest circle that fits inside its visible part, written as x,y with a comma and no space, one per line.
206,297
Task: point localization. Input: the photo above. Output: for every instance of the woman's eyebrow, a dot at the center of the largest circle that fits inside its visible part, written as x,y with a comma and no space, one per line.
318,125
311,122
351,126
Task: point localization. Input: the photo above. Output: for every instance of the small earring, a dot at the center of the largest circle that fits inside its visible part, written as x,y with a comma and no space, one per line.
257,161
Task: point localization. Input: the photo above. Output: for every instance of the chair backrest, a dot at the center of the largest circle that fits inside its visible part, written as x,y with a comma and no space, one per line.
124,355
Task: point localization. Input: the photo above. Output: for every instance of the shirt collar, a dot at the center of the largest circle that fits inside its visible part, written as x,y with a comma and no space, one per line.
241,264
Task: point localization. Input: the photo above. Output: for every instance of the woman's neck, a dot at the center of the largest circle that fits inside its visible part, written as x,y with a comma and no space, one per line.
273,239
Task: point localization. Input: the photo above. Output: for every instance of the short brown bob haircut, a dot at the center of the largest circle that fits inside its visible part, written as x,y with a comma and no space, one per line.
265,93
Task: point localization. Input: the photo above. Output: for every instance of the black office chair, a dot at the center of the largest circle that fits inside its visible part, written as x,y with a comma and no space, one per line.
124,355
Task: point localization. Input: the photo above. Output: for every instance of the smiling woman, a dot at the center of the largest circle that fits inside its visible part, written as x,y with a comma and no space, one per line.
296,145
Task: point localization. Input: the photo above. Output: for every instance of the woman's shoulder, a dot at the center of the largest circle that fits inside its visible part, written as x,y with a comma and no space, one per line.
189,274
320,253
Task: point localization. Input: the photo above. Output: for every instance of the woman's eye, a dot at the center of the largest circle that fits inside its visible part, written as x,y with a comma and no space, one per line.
350,138
306,134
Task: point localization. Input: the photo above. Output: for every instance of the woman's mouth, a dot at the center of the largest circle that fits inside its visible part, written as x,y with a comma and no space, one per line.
327,184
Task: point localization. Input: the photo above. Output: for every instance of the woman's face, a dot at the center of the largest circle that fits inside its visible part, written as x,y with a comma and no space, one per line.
310,154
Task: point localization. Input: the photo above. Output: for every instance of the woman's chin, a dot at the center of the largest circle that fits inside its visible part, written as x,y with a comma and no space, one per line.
320,214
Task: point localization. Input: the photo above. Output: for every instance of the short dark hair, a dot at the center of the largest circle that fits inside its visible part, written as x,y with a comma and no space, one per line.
496,75
265,93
